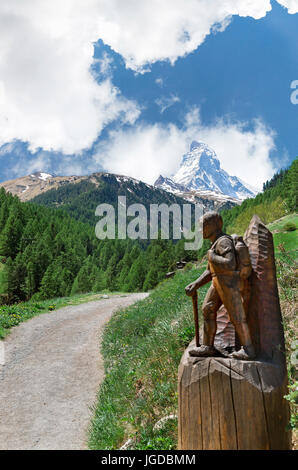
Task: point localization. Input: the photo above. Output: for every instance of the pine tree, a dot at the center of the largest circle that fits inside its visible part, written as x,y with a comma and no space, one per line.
11,235
4,213
137,274
291,186
83,282
50,285
111,273
30,284
16,272
152,279
99,282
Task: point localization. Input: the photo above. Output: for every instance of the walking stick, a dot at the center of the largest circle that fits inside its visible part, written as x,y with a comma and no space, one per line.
196,316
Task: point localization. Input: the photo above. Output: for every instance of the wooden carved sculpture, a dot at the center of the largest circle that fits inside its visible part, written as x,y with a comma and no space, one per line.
229,268
231,388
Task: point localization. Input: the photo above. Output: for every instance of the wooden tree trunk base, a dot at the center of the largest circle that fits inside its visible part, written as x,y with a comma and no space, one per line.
230,404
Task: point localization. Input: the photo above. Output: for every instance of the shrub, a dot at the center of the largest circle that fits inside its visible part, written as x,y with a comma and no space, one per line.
290,227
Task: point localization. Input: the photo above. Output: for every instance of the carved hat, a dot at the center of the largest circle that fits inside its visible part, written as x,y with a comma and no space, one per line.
213,217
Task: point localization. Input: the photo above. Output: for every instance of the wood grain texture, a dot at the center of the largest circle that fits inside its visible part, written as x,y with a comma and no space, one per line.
230,404
225,334
264,317
261,300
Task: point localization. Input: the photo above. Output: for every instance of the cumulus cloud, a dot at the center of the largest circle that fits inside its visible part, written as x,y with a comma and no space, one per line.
291,5
146,151
169,29
48,95
41,161
172,28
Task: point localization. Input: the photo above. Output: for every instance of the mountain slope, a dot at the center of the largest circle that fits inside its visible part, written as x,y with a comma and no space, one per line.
200,171
280,199
80,195
81,198
29,186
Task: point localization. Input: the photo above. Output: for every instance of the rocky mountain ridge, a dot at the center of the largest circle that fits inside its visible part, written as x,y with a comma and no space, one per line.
200,175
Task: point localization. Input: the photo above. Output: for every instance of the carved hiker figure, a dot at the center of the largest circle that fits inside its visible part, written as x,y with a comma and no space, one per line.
226,403
228,268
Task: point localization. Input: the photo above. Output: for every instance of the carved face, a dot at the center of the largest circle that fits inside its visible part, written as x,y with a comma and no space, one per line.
210,227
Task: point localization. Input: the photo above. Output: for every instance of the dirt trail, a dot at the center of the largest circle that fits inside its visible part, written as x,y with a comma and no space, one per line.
51,374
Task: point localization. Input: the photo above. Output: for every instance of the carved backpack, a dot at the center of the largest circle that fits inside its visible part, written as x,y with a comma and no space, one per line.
242,256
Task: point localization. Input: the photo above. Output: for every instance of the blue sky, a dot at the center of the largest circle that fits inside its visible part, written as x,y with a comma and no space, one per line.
232,91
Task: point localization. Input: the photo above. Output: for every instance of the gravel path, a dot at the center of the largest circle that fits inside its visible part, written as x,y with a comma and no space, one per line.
51,374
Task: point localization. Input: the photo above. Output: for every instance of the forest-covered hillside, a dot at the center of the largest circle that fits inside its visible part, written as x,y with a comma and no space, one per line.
81,199
279,198
46,253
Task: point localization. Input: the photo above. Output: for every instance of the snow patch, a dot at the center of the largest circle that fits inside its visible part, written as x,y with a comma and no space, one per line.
44,176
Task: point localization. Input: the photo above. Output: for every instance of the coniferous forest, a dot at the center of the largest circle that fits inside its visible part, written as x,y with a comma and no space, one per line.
280,197
46,253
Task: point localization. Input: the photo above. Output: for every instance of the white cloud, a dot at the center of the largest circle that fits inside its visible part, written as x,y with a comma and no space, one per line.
169,29
142,152
165,102
159,82
144,32
48,96
146,151
291,5
26,166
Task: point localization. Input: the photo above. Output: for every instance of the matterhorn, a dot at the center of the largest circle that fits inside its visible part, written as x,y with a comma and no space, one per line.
200,172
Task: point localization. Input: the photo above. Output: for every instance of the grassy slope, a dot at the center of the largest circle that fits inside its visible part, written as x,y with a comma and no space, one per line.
268,211
287,239
287,267
284,240
143,345
278,225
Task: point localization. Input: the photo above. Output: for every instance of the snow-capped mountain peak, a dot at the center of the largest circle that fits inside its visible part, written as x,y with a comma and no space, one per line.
200,170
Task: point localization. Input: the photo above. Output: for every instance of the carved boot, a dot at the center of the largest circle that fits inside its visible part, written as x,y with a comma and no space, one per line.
203,351
246,353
